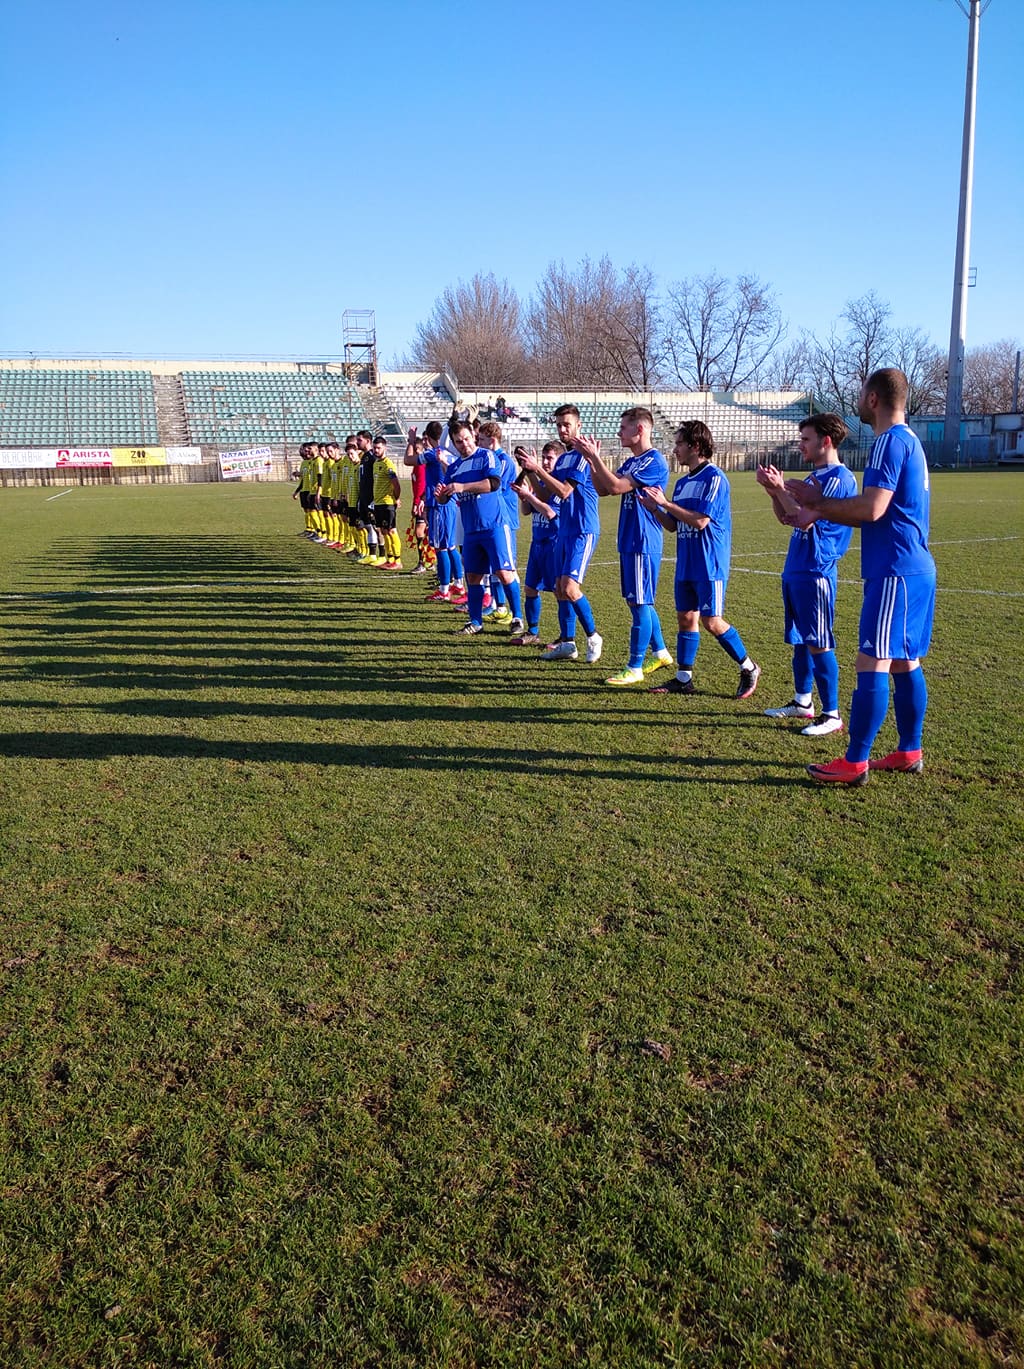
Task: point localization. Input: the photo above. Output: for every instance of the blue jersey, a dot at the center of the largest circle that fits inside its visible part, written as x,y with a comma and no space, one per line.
480,512
579,514
703,553
433,462
815,550
509,498
639,530
897,544
543,528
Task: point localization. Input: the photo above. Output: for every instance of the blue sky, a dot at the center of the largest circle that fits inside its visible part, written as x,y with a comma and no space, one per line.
207,179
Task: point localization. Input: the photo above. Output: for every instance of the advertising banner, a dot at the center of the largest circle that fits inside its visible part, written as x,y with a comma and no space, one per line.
27,459
249,461
84,456
140,456
47,458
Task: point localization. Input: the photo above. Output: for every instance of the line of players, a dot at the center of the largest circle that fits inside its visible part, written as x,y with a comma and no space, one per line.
472,481
351,500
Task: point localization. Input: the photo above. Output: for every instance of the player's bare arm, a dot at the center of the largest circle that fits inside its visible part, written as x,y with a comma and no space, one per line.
669,514
605,481
410,448
866,507
785,508
529,463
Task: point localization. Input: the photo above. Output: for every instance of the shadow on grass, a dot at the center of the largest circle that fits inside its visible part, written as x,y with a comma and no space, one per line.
125,559
550,715
461,759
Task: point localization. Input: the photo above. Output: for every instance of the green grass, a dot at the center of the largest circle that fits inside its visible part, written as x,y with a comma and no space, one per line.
375,997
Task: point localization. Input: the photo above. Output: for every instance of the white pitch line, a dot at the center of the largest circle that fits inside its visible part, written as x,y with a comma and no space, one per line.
969,541
50,497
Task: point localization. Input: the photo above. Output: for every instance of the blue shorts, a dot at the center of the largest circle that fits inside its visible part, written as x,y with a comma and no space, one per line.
572,555
540,566
896,620
442,525
638,576
489,551
810,605
707,597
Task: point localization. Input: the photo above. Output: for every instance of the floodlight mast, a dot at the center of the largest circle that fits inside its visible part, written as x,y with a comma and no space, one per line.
958,320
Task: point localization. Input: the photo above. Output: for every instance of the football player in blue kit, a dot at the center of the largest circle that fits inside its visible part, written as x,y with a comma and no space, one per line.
541,573
892,512
440,517
640,539
474,479
809,575
579,527
700,515
503,589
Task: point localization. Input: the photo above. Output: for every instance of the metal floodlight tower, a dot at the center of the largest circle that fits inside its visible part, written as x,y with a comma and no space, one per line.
958,320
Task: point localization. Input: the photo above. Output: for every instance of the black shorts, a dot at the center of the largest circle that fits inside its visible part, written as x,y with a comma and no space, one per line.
386,516
364,515
305,499
342,505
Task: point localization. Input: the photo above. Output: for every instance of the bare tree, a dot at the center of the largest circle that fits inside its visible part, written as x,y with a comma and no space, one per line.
476,330
988,377
925,368
563,338
593,325
719,334
789,367
842,361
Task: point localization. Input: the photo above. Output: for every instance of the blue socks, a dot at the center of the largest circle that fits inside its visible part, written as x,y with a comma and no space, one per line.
475,603
533,612
639,634
566,621
687,644
826,677
456,560
657,636
732,643
444,569
585,614
803,671
515,599
910,699
868,708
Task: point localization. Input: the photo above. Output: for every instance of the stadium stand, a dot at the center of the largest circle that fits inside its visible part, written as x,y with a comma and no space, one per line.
55,408
416,398
230,405
239,406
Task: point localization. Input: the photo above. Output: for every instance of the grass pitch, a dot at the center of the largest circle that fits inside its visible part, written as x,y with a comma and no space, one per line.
374,997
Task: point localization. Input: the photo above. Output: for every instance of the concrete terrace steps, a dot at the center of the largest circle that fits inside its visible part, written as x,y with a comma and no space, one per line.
171,422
